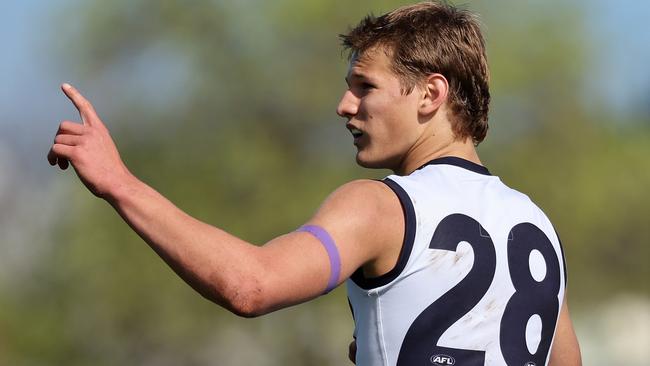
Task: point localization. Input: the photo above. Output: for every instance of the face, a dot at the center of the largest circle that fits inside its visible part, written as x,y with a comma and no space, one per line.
382,120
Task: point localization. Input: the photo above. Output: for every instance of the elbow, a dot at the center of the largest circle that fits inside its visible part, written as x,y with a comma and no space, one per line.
246,308
246,299
247,312
243,293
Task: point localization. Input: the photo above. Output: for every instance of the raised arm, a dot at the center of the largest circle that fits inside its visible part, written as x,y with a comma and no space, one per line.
246,279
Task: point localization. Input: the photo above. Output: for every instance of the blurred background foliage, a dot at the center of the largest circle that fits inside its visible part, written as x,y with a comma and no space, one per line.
227,108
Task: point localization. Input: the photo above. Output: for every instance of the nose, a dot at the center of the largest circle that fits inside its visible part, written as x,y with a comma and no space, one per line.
348,106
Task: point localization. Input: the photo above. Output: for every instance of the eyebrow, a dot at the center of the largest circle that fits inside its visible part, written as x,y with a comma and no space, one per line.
356,75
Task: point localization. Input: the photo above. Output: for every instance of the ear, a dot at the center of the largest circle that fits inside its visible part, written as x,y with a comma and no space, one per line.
435,91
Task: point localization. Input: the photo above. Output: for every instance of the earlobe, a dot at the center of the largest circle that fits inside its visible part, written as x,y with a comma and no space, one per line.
436,89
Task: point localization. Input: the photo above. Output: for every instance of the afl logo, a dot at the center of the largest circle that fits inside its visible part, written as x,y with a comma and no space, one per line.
442,360
530,363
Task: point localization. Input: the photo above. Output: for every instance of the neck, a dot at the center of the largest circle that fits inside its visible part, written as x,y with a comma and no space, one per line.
432,147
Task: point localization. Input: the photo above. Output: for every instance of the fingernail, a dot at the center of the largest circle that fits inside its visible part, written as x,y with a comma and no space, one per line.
66,86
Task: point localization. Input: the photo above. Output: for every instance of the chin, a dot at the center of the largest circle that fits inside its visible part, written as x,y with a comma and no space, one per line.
370,163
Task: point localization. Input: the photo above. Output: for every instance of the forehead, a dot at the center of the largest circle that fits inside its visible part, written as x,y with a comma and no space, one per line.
374,62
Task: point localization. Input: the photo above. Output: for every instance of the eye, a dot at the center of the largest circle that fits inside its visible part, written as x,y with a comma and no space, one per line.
366,85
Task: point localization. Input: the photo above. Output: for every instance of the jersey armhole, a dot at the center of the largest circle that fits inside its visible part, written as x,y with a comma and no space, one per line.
566,276
407,244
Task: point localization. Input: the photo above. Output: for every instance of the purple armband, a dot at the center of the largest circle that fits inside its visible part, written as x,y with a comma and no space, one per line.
332,253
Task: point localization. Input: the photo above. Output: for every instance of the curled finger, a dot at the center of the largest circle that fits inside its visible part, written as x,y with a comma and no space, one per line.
70,140
71,128
62,152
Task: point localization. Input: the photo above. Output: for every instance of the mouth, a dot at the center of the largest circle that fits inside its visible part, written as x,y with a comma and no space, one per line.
356,133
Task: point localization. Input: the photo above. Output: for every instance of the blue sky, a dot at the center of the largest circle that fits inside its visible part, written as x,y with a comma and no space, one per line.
624,54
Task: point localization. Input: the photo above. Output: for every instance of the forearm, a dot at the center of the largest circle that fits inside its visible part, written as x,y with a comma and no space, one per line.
221,267
246,279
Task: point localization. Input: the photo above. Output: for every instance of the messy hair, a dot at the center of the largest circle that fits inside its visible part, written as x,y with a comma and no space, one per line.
433,37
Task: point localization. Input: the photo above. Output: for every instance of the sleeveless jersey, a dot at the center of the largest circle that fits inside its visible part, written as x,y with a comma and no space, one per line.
480,278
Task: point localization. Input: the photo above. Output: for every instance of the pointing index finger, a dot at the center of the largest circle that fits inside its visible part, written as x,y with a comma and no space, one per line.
86,110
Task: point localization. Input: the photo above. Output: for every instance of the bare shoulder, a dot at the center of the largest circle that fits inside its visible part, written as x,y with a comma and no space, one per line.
366,215
362,200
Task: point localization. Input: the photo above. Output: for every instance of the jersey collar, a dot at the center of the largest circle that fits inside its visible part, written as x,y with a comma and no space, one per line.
459,162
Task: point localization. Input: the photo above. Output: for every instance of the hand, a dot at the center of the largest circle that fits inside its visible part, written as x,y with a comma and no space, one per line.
89,148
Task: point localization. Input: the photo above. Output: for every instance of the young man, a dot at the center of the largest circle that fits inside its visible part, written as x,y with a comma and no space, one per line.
444,264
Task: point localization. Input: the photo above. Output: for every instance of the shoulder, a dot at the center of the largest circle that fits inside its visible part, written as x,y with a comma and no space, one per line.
366,198
362,189
365,212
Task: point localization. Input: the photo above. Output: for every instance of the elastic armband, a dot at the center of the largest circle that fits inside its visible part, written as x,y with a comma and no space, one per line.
332,253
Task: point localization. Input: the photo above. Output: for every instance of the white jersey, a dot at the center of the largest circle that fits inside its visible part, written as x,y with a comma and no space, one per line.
479,281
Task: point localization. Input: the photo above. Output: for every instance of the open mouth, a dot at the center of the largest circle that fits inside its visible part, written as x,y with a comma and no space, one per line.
356,133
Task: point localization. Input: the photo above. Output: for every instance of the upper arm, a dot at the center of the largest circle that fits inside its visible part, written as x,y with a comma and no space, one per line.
364,218
565,350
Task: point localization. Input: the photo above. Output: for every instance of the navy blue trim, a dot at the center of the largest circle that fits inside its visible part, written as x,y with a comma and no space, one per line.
351,308
566,276
407,245
459,162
